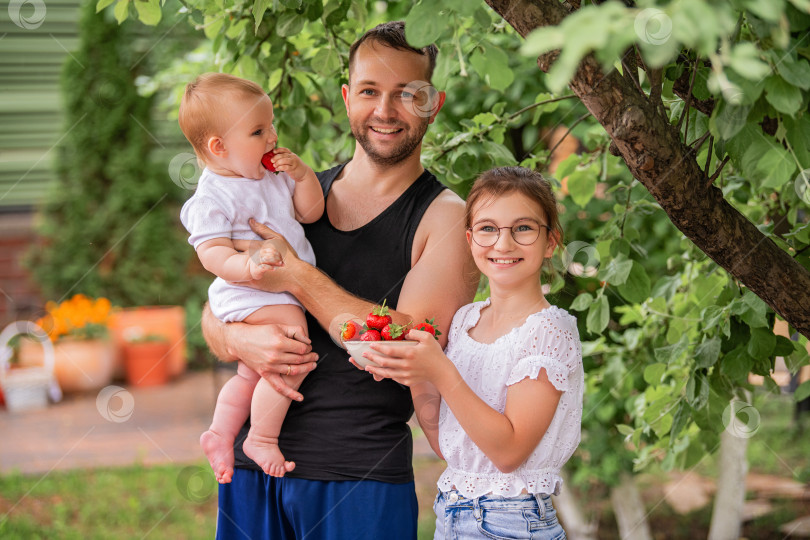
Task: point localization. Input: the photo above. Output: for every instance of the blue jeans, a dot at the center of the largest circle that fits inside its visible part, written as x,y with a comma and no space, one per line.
492,516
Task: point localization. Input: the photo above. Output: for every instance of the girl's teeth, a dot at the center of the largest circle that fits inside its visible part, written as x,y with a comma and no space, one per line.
504,261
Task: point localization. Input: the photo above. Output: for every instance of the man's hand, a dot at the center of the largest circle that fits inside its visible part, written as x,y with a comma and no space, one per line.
272,351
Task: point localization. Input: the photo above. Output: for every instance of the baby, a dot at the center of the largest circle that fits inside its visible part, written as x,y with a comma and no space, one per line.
229,122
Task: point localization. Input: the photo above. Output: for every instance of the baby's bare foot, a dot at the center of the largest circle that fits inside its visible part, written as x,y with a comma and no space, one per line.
219,452
267,455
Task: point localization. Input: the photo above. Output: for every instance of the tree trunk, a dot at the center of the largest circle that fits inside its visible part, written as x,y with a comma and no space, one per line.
657,158
629,509
569,510
730,497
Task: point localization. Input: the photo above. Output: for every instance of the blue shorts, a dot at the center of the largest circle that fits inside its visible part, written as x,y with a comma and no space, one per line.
490,516
257,506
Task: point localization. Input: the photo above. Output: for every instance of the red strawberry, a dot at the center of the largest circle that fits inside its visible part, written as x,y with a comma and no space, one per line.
266,161
371,335
348,330
378,317
429,326
394,332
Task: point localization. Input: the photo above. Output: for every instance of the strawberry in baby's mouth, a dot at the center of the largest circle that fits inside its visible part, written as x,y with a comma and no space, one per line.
267,161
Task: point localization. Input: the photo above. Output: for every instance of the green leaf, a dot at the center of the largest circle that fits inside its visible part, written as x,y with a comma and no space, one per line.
762,343
770,11
727,120
292,4
567,166
485,119
679,421
598,316
148,11
707,353
121,11
337,15
326,61
616,271
784,97
102,4
775,168
290,24
582,185
737,364
784,346
672,353
492,64
754,310
802,392
274,79
654,372
212,26
584,301
259,7
424,24
637,287
624,429
798,358
745,60
796,72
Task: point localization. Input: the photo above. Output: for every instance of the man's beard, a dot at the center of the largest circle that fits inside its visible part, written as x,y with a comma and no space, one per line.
396,154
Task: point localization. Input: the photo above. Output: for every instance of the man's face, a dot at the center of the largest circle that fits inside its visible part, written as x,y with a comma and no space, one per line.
388,103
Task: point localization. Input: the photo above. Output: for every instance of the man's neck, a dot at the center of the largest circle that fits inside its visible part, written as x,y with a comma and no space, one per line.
379,178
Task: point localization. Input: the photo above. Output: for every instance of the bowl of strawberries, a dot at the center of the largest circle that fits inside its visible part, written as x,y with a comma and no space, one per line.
378,328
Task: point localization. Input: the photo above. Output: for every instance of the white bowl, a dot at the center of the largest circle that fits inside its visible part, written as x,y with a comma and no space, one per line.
357,348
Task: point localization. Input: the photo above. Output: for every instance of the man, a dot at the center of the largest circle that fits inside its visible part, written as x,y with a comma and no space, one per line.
390,232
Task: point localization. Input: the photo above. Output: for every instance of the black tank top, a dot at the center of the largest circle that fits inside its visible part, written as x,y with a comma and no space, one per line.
350,427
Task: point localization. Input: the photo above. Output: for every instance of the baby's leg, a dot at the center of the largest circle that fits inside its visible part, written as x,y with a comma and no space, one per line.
268,407
233,407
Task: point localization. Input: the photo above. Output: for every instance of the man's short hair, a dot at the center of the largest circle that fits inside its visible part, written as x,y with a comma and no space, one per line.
392,34
200,114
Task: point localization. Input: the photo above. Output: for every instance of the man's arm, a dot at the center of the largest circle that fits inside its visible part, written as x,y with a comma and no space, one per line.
443,276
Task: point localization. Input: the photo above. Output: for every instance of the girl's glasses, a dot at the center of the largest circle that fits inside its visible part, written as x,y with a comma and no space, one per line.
524,233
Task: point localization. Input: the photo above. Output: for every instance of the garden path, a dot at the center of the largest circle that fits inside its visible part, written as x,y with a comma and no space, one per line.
147,425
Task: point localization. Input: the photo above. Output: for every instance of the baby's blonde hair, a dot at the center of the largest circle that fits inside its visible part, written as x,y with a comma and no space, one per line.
201,109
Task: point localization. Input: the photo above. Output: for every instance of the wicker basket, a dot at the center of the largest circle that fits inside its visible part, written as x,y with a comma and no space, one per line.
29,387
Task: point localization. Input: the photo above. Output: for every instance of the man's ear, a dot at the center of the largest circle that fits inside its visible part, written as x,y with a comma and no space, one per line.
440,97
216,147
344,90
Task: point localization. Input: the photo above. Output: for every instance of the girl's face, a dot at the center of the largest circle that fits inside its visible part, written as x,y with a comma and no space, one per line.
507,262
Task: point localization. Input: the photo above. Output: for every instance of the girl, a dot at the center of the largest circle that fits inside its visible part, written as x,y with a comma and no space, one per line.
511,378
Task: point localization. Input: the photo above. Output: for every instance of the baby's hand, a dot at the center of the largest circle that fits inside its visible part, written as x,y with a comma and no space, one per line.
266,258
284,160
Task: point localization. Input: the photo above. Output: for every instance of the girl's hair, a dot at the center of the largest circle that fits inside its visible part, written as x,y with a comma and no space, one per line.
502,181
201,109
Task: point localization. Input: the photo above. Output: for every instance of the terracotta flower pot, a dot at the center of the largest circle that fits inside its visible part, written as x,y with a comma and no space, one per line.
79,365
166,321
147,363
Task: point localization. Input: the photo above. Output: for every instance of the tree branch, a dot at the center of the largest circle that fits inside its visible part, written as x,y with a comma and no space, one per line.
668,169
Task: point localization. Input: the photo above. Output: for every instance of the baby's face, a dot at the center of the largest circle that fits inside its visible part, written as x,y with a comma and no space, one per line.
250,134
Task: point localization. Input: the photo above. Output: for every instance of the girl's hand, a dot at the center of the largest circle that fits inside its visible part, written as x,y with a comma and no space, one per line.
284,160
424,362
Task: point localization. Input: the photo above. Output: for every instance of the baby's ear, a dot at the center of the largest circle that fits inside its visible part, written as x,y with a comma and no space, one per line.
216,147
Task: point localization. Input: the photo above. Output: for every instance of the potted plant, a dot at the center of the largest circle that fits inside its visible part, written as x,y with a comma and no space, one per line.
146,358
83,351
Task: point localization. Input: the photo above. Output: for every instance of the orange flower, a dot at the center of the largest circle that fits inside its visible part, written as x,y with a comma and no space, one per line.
81,317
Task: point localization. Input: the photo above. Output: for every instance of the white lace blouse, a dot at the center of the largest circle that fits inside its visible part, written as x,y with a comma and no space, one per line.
548,339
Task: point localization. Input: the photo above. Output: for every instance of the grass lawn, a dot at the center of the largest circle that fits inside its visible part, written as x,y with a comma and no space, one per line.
179,501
